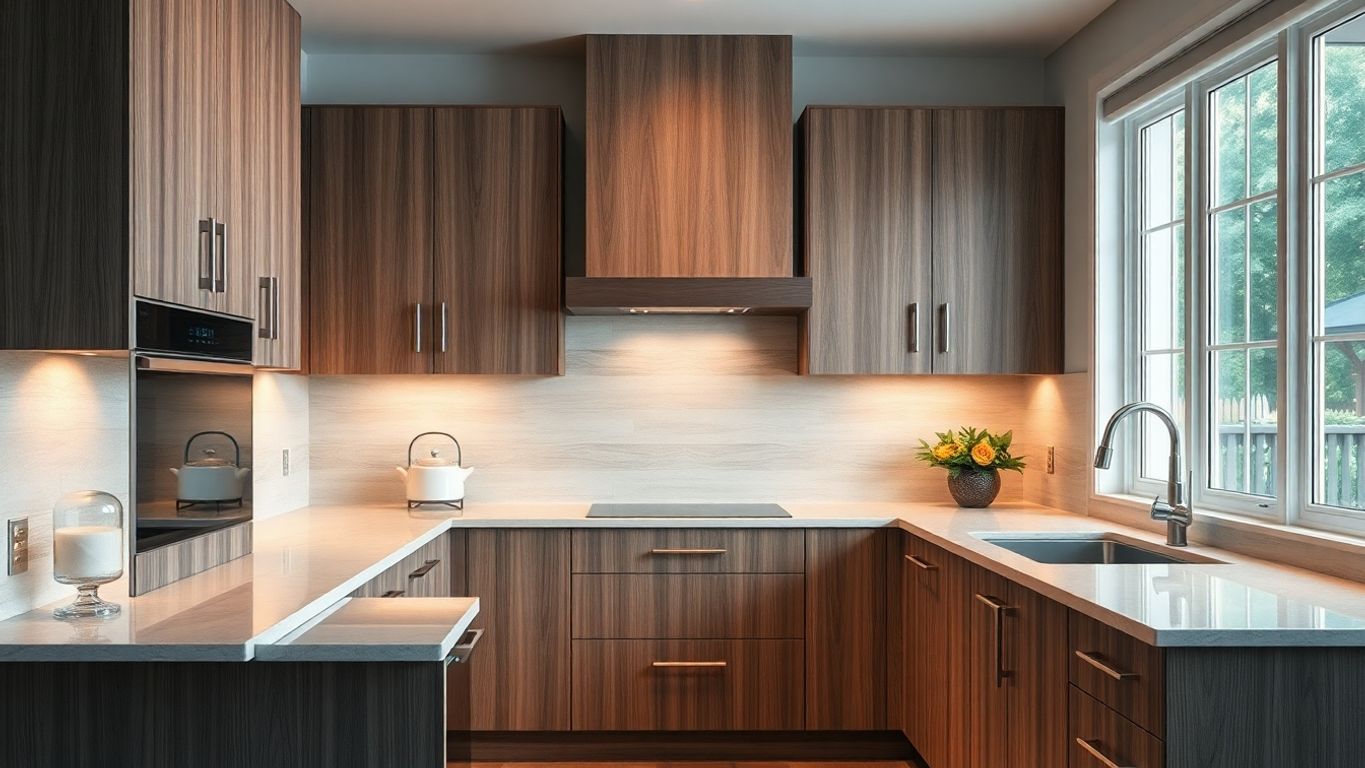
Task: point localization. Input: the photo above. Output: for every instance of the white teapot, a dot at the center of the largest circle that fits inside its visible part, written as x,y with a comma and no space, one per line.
435,479
210,478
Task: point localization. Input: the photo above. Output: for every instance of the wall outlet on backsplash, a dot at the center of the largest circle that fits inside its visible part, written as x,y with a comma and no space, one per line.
285,462
1051,460
17,543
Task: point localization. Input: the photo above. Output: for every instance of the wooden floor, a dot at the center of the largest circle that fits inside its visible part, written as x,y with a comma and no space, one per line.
711,764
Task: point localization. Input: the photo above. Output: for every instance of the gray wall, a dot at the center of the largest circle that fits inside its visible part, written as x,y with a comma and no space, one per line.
332,78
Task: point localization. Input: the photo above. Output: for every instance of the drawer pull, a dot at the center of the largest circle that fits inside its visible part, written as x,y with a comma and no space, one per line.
393,593
686,551
1105,668
424,570
689,664
1094,751
922,564
998,611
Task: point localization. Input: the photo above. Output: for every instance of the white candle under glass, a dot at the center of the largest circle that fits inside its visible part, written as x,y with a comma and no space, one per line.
87,552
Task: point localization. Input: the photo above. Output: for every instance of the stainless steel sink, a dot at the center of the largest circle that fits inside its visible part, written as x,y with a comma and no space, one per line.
1091,549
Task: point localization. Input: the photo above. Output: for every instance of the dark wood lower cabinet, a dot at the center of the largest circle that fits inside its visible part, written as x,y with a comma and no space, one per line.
223,715
693,685
520,678
1098,733
846,629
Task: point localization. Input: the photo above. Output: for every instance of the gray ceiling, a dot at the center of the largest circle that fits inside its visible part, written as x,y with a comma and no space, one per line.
821,27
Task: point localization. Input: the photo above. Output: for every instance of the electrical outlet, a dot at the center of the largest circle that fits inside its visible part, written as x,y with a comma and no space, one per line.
286,462
1051,460
18,546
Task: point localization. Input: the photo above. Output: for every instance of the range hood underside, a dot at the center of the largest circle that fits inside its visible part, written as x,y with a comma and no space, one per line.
687,295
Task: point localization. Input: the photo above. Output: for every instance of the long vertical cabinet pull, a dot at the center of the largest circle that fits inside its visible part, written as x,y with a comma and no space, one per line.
417,329
206,227
914,326
220,272
998,612
268,296
443,339
945,340
264,301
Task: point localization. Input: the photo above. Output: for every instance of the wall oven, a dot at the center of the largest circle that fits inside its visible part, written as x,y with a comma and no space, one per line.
192,384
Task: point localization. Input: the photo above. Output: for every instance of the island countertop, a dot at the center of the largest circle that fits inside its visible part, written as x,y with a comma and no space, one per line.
308,560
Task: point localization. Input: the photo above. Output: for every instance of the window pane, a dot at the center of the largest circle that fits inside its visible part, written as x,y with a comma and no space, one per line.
1229,416
1263,131
1163,384
1178,165
1341,424
1264,267
1229,142
1342,250
1157,306
1229,278
1158,182
1342,119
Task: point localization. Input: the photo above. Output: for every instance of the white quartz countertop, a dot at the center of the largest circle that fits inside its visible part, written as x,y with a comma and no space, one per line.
307,561
378,629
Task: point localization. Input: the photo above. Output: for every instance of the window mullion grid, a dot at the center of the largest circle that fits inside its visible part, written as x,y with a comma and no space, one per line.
1293,483
1197,296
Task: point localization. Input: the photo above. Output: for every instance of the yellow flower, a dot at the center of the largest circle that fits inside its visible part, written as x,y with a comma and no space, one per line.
983,454
945,451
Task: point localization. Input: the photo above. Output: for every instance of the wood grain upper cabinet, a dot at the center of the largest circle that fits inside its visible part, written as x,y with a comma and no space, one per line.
277,261
497,240
998,240
933,240
689,170
433,239
174,59
868,239
368,176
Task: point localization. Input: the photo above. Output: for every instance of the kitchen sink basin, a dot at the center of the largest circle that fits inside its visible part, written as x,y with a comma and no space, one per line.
1092,549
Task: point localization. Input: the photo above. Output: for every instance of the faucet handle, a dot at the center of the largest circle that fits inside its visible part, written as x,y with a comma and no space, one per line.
1176,513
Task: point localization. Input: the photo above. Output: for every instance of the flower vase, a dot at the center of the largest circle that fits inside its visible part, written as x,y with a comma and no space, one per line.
975,489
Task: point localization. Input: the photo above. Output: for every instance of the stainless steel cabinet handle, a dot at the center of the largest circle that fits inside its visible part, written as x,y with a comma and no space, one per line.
267,315
945,340
914,326
417,329
998,611
1094,751
424,570
686,551
922,564
274,308
462,650
393,593
443,326
220,273
1095,662
688,664
206,233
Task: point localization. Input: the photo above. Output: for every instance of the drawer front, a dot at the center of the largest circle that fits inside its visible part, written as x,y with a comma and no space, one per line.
689,550
1119,670
690,685
426,572
1101,738
689,605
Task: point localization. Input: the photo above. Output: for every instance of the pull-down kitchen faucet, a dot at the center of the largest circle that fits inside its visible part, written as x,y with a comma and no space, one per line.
1173,510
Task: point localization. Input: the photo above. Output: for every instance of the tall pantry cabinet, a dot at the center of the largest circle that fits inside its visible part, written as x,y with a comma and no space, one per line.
149,150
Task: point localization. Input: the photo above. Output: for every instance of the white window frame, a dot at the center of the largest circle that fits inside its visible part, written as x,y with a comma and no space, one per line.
1293,503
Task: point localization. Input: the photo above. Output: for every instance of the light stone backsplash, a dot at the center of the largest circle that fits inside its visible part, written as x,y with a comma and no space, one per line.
669,408
279,422
63,427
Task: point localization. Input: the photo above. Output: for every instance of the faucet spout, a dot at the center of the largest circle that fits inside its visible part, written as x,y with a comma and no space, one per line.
1174,510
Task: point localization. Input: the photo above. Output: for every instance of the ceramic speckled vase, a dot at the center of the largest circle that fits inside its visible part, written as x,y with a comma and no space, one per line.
975,489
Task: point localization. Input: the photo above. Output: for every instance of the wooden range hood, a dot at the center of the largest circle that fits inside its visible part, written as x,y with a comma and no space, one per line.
689,177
